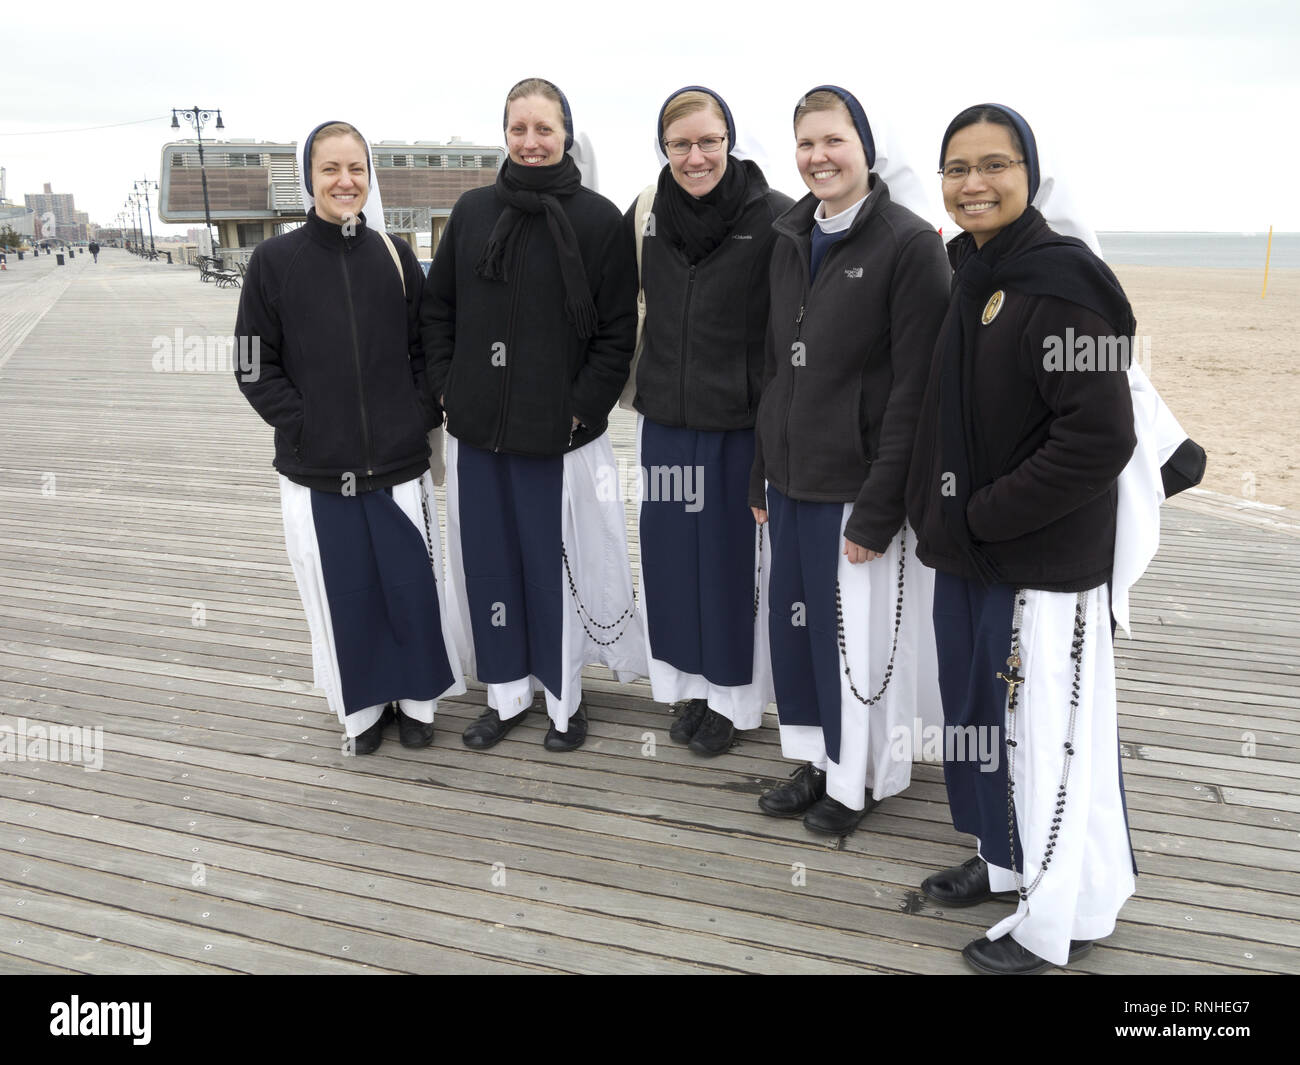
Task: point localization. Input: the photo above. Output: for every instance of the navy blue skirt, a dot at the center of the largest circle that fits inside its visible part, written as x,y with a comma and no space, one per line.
383,600
697,550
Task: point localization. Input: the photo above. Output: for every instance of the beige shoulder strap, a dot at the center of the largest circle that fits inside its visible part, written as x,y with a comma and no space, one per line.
388,243
644,223
643,204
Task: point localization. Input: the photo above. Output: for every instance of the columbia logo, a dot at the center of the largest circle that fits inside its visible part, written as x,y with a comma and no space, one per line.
742,236
853,271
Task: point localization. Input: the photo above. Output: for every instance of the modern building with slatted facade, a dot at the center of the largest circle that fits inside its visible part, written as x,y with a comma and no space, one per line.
253,186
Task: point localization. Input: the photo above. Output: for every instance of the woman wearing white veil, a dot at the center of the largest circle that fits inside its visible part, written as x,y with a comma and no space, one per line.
528,321
704,237
1034,492
859,288
333,308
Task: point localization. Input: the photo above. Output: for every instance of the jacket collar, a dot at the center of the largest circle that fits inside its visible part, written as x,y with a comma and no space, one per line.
331,236
797,222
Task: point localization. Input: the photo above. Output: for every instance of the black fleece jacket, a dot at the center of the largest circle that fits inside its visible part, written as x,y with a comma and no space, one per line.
701,363
511,368
847,362
339,368
1047,444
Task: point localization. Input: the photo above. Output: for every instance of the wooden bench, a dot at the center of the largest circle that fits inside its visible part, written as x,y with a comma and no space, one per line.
212,269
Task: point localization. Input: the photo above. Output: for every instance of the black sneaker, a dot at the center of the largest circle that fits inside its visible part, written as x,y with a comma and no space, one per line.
489,729
830,817
1006,957
574,738
963,885
413,733
714,736
808,784
690,714
368,742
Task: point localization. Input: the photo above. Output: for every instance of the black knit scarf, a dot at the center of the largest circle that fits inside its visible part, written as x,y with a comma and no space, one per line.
1029,258
529,190
697,225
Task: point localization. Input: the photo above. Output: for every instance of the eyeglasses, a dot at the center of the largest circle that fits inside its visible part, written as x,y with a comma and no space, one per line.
708,145
993,168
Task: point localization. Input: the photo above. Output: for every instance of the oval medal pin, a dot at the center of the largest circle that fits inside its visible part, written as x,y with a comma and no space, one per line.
992,308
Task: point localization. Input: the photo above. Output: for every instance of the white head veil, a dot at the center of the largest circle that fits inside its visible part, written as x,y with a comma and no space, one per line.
374,208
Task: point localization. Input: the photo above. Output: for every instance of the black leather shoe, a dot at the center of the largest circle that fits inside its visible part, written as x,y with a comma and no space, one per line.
489,729
574,738
413,733
1006,957
831,817
714,736
368,742
963,885
807,785
690,714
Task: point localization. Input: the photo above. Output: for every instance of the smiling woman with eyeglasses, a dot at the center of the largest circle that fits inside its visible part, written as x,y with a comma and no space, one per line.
705,236
1013,493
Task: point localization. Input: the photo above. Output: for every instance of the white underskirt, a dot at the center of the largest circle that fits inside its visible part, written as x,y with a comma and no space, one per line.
1091,871
872,755
304,556
595,539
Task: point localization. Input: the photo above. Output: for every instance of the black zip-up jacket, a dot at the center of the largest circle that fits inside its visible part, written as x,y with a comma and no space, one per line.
1046,450
701,363
509,365
339,367
847,362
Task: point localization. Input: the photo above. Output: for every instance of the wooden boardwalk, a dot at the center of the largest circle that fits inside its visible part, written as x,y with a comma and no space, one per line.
144,589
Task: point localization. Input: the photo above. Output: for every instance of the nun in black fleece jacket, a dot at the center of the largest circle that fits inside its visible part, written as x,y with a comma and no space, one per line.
704,267
528,322
333,309
859,289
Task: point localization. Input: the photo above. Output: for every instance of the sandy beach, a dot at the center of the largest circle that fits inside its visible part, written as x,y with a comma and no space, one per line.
1228,364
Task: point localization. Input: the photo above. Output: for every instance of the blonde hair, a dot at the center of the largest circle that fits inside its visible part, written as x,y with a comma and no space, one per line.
818,101
685,104
536,87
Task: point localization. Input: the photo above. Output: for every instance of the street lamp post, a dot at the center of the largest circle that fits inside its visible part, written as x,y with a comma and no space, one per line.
134,201
143,185
133,217
198,118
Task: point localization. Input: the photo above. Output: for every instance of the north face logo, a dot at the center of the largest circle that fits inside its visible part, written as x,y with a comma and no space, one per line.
742,236
853,271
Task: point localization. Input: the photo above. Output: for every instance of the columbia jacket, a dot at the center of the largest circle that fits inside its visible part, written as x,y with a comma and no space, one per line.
847,362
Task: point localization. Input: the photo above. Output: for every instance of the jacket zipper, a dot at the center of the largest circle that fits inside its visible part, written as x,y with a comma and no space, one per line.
510,341
686,332
809,283
356,358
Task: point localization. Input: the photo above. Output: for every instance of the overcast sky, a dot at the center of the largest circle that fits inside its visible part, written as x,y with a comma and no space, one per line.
1166,115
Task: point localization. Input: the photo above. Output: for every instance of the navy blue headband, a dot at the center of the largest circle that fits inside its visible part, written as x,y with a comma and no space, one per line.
306,152
856,113
726,115
564,107
1021,127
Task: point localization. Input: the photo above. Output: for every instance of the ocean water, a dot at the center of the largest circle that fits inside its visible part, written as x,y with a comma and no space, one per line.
1232,251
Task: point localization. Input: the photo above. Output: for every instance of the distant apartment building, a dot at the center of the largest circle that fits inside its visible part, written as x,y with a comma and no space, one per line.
69,223
254,187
